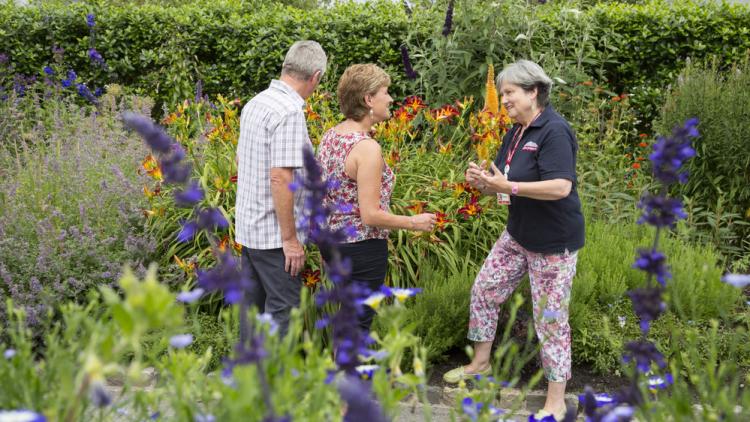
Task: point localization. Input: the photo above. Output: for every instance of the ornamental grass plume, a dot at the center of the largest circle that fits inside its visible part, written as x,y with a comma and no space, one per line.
491,101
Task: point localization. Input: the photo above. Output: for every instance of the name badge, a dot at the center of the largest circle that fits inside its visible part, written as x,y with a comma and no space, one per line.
503,199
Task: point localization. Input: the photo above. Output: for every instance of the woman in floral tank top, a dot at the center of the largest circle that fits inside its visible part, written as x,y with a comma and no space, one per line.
348,155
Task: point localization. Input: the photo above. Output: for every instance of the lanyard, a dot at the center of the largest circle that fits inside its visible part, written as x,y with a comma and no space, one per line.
515,142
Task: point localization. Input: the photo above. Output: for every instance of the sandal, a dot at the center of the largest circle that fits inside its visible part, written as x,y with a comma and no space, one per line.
456,375
545,416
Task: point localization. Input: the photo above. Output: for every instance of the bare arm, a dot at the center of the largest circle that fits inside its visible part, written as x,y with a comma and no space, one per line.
546,190
366,162
283,204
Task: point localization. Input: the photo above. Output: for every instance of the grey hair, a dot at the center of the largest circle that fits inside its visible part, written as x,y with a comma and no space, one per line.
528,75
303,59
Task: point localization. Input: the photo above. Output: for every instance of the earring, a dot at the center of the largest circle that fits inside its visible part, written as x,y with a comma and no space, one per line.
371,113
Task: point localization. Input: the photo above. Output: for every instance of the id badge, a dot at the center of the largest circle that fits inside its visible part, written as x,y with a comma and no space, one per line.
503,199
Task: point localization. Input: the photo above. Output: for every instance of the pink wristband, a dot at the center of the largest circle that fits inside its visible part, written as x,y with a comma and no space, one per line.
514,189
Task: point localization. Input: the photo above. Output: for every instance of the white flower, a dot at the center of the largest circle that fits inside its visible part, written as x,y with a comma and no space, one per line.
20,416
374,300
521,37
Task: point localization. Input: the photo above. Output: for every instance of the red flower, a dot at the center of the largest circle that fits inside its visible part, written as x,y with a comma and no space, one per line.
310,278
636,165
471,208
445,112
642,135
442,221
643,144
233,179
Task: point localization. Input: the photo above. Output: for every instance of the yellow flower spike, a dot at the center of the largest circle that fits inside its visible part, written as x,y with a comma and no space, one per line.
491,101
93,368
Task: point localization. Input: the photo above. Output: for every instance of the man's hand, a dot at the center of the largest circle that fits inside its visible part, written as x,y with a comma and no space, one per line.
294,256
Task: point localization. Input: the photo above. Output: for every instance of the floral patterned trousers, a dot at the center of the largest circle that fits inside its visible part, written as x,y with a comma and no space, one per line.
551,277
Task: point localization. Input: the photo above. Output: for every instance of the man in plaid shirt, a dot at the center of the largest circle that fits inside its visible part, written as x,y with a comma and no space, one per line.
273,134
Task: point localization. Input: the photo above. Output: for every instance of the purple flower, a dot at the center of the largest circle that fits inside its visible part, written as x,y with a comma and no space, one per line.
653,262
85,92
648,305
90,20
70,79
211,219
660,383
199,91
248,352
671,153
98,92
589,400
3,58
48,70
191,296
95,57
154,135
204,418
181,341
228,276
408,69
737,280
448,25
99,395
361,403
660,211
189,196
188,231
9,353
643,353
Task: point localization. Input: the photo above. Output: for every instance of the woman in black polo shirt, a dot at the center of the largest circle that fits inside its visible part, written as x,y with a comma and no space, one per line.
535,169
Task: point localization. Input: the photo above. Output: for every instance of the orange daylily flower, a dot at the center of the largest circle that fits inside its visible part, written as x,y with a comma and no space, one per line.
445,149
311,114
187,266
403,115
151,193
643,144
642,135
441,221
470,208
151,166
414,103
417,207
636,165
445,112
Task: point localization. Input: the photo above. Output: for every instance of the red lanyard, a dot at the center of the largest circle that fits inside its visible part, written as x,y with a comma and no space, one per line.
517,140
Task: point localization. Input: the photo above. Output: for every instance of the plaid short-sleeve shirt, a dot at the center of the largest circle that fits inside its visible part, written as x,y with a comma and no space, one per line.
273,133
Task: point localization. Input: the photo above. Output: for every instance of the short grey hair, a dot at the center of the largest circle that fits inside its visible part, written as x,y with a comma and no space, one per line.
303,59
528,75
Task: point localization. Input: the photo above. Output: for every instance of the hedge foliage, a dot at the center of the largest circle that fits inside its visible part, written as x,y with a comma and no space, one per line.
164,51
235,49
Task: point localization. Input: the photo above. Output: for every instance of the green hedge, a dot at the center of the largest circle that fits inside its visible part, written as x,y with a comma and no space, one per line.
164,51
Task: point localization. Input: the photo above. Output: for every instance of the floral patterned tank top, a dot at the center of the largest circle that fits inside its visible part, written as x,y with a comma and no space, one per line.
342,195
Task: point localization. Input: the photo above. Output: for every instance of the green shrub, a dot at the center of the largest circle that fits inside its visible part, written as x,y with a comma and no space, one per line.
718,192
163,51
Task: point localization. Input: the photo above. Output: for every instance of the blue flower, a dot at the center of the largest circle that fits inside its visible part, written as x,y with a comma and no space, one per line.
188,231
267,319
181,341
21,416
90,20
189,196
643,353
99,395
448,24
653,262
211,219
204,418
228,276
360,401
95,57
48,70
671,153
84,92
647,305
660,211
660,383
408,69
737,280
155,137
191,296
9,353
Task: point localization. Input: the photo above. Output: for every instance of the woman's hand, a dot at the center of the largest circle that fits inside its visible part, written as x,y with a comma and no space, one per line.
472,175
422,222
494,180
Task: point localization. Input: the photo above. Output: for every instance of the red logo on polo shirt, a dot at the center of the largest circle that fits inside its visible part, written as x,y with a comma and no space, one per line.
530,146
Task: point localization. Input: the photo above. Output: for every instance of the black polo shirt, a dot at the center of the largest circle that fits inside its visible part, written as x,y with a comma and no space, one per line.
547,150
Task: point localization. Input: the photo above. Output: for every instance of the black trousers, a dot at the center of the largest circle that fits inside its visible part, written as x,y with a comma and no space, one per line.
274,290
369,266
